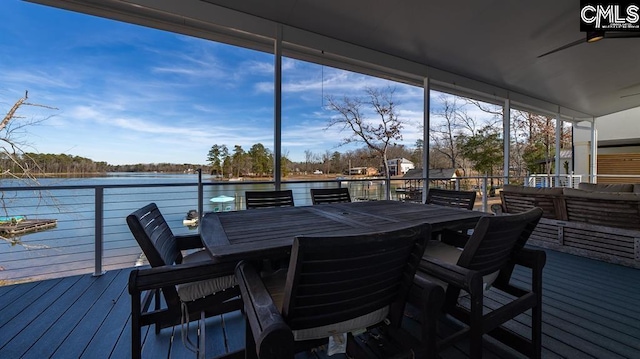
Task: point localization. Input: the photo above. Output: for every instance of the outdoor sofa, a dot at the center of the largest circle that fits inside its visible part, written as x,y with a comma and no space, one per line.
600,221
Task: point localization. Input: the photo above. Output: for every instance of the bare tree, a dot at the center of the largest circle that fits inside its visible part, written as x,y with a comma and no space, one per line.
326,161
453,121
18,162
13,148
379,133
521,129
308,158
532,138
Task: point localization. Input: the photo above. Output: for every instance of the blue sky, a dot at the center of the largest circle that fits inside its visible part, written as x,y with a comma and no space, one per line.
128,94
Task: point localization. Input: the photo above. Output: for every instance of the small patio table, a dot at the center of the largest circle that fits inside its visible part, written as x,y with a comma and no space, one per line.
269,233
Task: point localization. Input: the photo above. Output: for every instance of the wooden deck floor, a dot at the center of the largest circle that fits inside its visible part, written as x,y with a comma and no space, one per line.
591,309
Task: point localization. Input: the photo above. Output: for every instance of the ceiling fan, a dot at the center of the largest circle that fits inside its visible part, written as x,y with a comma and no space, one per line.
593,36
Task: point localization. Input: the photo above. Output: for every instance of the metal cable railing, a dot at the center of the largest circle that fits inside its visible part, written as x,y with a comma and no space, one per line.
91,235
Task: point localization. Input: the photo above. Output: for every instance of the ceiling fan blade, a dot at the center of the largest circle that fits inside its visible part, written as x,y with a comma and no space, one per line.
574,43
630,95
621,34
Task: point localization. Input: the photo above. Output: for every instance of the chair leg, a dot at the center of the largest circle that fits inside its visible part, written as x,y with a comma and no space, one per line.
157,307
432,299
475,326
136,337
536,332
202,339
250,343
536,314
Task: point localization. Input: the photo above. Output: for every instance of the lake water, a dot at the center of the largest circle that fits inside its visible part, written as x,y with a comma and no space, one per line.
69,248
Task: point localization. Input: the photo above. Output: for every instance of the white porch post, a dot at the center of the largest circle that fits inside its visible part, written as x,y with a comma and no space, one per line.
594,152
558,141
277,98
425,136
506,135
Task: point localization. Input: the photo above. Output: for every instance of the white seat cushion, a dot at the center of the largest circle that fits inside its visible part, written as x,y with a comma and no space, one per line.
451,254
195,290
274,284
444,252
346,326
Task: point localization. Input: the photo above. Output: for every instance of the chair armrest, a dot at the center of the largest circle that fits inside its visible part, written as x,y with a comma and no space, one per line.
530,258
170,275
271,335
534,259
463,278
189,241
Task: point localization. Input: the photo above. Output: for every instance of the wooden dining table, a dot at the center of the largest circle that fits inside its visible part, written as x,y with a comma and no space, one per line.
269,232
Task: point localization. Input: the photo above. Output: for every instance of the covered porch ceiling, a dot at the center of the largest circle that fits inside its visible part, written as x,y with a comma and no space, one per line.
488,49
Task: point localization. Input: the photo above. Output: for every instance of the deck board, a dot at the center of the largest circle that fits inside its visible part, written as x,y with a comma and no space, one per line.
17,298
234,331
216,344
590,309
116,303
89,302
41,315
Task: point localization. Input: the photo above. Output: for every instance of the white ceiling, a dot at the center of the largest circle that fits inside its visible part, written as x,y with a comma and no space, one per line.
490,46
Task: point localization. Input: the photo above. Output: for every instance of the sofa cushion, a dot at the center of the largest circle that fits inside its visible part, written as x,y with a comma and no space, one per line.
606,187
636,188
602,195
554,191
609,209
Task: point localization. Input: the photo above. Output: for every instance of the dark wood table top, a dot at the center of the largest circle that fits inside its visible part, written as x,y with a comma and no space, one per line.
269,232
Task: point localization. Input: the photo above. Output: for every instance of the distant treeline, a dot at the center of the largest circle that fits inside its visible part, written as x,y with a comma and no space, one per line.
157,167
47,163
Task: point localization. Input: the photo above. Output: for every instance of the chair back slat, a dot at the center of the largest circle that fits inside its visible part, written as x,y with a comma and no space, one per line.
330,195
451,198
337,278
154,236
157,242
494,239
269,199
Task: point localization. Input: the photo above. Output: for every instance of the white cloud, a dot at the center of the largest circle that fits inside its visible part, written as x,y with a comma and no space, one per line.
129,94
33,78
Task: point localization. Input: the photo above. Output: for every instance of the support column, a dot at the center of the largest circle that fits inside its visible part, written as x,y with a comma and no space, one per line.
277,120
594,152
426,123
506,135
573,148
557,155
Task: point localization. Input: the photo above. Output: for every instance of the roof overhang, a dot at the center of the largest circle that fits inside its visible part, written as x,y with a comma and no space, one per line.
414,40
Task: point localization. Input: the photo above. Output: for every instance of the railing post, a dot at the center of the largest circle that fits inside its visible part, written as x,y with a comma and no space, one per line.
200,197
484,193
99,233
387,188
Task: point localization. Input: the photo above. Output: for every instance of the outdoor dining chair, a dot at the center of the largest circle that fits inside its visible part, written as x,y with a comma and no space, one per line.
335,284
193,286
330,195
269,199
487,260
451,198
